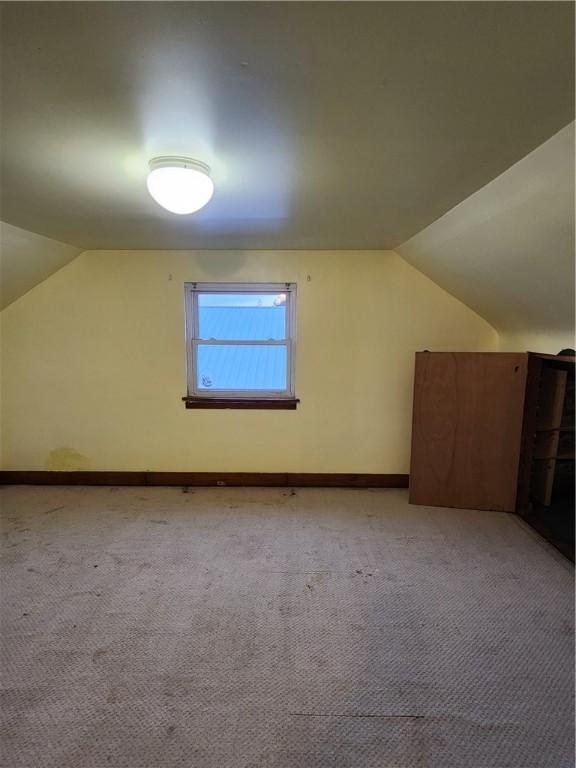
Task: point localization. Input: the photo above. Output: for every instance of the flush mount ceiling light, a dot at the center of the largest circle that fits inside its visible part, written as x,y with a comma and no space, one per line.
180,184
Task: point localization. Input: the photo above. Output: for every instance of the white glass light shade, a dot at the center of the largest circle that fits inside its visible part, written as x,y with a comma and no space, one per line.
179,184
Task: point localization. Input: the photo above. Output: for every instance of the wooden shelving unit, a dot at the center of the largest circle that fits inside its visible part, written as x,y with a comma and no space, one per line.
550,507
547,439
554,437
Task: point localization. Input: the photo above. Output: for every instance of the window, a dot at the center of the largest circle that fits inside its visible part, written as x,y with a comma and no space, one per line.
240,345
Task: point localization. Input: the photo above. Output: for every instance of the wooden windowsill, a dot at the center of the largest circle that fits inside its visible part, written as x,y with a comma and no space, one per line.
254,403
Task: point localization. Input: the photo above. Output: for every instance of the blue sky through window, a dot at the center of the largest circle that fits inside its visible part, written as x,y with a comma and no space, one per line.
241,367
241,317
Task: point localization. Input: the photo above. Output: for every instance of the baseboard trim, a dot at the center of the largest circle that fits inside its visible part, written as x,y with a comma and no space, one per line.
206,479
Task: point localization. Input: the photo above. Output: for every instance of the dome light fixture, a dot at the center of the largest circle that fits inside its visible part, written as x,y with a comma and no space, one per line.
180,184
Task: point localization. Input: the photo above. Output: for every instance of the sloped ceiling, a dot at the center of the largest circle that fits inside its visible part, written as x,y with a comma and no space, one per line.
26,259
507,251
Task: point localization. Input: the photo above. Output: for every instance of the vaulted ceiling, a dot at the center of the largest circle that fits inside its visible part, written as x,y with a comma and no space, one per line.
27,259
327,125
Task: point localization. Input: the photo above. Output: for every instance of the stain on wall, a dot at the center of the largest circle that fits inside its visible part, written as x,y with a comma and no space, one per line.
66,458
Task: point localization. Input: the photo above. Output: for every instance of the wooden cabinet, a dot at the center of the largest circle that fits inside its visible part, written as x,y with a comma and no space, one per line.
491,430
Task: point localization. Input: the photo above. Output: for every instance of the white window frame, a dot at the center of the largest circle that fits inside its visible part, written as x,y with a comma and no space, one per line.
191,291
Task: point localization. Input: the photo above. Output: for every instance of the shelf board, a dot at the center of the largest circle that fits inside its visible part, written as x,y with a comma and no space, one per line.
556,429
557,457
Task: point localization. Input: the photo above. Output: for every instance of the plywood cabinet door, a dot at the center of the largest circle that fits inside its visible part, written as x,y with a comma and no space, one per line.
467,427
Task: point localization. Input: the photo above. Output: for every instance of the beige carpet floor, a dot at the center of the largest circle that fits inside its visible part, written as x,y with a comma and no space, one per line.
271,628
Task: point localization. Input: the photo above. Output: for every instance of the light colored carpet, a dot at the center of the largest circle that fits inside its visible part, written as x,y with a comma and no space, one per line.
269,628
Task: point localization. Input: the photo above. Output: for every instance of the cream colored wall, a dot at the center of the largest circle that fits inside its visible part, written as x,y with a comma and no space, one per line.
549,342
94,364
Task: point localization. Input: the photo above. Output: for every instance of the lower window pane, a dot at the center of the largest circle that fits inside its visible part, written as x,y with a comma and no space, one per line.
241,367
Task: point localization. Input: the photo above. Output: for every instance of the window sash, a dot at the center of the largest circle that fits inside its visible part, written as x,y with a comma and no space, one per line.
192,291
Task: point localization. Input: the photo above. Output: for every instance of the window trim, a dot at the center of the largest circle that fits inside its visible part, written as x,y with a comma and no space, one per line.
219,398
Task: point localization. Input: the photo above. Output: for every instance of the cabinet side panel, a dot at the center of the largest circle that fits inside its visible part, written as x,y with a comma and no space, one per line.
467,427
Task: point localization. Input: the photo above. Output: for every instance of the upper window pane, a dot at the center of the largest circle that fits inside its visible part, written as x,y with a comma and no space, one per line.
242,316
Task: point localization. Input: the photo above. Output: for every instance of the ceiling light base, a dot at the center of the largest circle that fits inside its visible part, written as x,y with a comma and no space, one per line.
176,161
181,185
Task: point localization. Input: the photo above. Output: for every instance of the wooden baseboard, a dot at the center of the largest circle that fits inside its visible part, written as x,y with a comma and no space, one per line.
199,479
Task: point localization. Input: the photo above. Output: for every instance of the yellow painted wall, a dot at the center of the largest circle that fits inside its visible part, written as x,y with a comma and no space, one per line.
94,364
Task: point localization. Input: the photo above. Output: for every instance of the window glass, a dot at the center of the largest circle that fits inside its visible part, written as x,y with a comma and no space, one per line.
241,367
242,316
